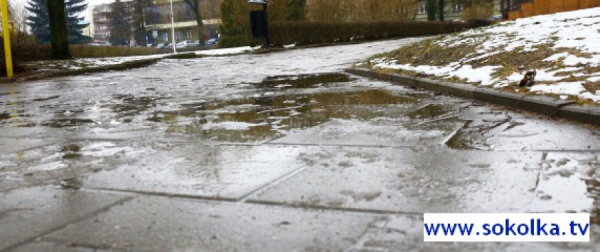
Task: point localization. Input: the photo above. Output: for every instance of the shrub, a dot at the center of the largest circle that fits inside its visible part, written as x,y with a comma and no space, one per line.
304,33
233,41
23,47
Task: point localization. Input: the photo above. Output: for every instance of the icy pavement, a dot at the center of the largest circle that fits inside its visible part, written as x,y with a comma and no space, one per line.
273,152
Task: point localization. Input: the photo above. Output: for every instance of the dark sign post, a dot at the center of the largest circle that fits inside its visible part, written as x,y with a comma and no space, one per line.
259,22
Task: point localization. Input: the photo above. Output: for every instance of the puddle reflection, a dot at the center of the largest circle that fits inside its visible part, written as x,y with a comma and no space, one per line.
265,117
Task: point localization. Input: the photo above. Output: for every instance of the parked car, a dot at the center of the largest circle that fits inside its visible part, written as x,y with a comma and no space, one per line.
212,41
161,45
100,44
494,18
185,44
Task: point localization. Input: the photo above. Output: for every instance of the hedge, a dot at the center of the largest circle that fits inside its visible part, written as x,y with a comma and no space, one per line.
305,33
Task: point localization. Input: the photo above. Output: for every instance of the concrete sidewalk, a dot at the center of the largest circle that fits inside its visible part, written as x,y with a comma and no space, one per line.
286,153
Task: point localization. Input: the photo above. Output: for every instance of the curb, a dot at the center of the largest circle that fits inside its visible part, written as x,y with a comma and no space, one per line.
533,103
187,55
115,67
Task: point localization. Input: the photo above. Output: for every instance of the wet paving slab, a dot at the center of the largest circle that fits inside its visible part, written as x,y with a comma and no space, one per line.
275,137
54,163
204,171
28,213
398,180
188,225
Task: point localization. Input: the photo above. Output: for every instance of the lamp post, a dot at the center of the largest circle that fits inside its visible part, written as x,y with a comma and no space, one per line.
173,28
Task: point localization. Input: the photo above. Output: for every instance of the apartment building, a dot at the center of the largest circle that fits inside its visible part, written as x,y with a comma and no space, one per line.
101,22
158,22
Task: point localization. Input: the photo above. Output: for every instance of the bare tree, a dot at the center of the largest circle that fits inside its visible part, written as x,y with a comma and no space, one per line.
195,6
18,16
330,10
211,8
384,10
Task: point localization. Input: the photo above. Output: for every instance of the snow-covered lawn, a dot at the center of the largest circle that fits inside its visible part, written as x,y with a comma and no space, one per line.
57,65
225,51
563,48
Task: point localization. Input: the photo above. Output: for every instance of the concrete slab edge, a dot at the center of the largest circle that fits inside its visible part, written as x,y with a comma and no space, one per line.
533,103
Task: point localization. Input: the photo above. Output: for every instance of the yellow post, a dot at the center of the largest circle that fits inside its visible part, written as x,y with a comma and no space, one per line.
6,34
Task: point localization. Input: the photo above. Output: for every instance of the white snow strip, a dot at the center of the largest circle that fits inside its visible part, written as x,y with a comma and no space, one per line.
566,88
225,51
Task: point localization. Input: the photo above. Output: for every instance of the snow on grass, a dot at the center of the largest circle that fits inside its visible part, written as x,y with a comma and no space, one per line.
563,48
225,51
74,64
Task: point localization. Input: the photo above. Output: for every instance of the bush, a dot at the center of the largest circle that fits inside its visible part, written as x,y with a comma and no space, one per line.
22,47
233,41
304,33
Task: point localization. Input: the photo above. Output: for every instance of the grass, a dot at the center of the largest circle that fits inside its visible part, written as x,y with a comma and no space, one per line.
430,53
462,49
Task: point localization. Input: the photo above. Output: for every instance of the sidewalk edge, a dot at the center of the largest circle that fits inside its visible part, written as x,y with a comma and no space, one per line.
115,67
533,103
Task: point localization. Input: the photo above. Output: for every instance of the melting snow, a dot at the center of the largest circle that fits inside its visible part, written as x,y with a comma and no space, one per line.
577,30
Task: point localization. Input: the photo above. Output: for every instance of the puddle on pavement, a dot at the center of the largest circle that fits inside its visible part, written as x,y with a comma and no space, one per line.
71,151
16,119
428,111
479,123
302,81
4,116
469,138
68,122
262,118
46,98
593,189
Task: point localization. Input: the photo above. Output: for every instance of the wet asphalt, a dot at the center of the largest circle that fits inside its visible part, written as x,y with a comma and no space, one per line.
274,152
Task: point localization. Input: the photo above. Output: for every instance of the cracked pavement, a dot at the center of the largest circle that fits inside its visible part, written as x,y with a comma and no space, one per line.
273,152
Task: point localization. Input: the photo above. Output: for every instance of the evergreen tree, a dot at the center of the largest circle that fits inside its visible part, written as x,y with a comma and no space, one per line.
120,30
74,25
39,21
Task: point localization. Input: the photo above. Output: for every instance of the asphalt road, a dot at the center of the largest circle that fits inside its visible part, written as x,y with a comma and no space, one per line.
273,152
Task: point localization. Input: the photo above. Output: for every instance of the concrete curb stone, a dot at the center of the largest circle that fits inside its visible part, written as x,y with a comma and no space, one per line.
538,104
584,114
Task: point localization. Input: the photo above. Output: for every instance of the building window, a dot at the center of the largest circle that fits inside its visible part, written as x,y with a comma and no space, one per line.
457,7
422,9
